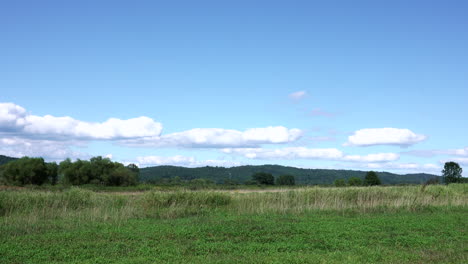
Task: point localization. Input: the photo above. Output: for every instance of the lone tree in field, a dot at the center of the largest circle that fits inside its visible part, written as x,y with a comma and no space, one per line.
452,172
354,181
263,178
371,179
285,180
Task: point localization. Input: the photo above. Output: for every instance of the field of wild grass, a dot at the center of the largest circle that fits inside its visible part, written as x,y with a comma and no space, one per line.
400,224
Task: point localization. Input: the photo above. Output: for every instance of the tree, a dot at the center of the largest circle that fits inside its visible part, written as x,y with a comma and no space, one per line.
264,178
52,171
452,172
354,181
98,170
371,179
285,180
25,171
339,183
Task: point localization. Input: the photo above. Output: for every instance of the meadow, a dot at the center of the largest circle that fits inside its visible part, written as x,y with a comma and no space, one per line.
391,224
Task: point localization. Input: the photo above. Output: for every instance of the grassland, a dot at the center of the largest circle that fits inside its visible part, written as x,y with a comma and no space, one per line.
407,224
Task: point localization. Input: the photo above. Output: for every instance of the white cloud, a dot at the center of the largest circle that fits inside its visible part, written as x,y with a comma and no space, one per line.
462,161
309,153
384,136
378,157
182,161
296,96
463,152
220,138
14,118
286,153
409,167
48,149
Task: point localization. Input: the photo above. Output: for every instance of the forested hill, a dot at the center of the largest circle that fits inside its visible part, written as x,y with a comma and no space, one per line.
6,159
243,173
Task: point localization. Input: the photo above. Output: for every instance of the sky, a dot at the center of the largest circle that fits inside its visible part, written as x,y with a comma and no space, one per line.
367,85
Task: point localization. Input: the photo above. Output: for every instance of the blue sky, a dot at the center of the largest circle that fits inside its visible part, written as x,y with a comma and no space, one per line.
319,84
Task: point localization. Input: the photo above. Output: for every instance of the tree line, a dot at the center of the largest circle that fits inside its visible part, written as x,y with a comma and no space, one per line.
97,170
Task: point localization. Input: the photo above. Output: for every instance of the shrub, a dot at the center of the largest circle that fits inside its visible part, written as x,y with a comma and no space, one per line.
26,171
285,180
263,178
354,181
339,182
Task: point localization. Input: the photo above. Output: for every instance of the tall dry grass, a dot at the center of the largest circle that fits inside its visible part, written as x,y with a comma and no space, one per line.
26,207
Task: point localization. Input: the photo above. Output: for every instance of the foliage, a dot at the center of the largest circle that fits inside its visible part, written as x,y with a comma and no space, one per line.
6,159
243,174
354,181
452,172
371,179
28,171
285,180
263,178
339,183
98,170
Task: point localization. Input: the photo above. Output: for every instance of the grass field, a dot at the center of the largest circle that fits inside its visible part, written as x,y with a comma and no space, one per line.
410,224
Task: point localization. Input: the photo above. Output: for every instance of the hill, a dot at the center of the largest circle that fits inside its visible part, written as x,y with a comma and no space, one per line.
241,174
6,159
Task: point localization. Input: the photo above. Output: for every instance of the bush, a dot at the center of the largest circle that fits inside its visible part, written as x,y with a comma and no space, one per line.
339,183
263,178
98,170
354,181
27,171
286,180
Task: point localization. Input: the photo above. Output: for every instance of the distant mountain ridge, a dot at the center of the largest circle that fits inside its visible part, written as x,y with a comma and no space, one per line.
241,174
5,159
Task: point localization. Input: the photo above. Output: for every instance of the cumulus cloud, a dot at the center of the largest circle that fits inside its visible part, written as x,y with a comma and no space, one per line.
463,152
378,157
182,161
384,136
296,96
14,118
286,153
50,150
309,153
220,138
462,161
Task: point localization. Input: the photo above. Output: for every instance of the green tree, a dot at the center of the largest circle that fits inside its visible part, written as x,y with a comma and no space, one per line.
339,183
371,179
286,180
264,178
354,181
25,171
452,172
52,171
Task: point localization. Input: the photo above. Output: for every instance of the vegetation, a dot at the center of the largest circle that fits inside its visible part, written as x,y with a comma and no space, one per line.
339,183
243,174
263,178
371,179
28,171
97,170
354,181
285,180
305,225
6,159
452,172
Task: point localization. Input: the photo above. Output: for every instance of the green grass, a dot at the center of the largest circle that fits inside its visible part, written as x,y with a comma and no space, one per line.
313,225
